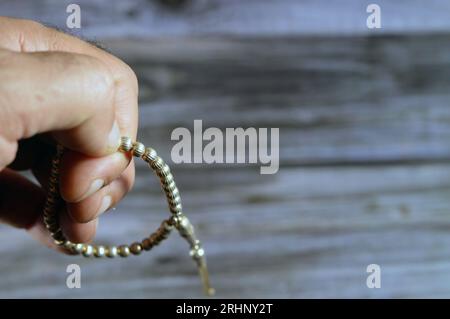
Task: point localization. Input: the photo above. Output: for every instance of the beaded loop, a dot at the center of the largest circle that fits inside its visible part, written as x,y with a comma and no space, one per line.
178,220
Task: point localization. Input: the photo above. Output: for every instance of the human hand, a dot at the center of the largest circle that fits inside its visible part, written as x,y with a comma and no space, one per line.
58,88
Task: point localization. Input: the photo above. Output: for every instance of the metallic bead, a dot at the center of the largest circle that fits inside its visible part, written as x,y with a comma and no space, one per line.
88,250
174,193
123,250
170,186
125,144
167,226
136,248
51,199
169,179
68,245
147,244
138,149
157,164
78,248
178,208
111,251
175,200
175,220
164,171
52,228
197,252
184,222
58,235
99,251
154,239
149,155
59,242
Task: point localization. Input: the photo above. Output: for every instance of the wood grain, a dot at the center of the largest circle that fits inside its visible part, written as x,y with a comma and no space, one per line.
364,177
150,18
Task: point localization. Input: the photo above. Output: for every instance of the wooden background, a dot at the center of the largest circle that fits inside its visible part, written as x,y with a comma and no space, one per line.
364,145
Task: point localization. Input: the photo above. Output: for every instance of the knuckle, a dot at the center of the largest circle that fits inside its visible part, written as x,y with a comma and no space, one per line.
99,81
131,77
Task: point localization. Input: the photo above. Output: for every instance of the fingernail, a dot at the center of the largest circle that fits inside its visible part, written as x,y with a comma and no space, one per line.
106,202
95,186
114,138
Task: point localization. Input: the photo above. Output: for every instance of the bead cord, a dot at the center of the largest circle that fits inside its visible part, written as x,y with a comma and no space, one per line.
177,219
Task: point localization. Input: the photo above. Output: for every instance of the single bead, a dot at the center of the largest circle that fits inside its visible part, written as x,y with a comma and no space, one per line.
178,208
154,239
157,164
149,155
78,248
170,186
125,144
68,245
111,252
175,220
99,251
52,188
175,200
169,179
51,199
147,244
164,172
138,149
136,248
88,250
59,242
184,222
53,180
52,227
167,226
174,193
197,252
58,235
123,250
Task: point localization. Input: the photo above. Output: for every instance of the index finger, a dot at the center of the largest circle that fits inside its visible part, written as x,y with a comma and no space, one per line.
29,36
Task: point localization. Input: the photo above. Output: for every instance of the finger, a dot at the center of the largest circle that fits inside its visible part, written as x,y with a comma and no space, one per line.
40,233
74,231
28,36
82,176
78,232
92,207
21,204
70,94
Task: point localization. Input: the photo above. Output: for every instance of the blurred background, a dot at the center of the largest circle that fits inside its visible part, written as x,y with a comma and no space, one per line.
364,177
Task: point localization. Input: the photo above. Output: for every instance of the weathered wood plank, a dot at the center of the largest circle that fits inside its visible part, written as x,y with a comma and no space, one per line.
297,232
140,18
363,177
336,101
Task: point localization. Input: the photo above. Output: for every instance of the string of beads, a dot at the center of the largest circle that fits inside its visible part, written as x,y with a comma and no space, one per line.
177,220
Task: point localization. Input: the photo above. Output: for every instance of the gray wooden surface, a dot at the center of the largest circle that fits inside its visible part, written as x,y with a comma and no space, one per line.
364,178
